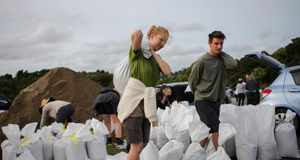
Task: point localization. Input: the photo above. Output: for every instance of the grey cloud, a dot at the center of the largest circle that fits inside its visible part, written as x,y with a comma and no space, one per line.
76,19
46,39
265,34
238,51
193,48
190,27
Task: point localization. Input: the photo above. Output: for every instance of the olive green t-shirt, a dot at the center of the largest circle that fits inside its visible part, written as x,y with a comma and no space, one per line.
143,69
207,79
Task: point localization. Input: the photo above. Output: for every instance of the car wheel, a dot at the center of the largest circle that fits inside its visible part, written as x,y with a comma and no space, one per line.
280,117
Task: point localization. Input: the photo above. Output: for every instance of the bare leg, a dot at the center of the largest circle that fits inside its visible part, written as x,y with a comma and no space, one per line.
135,151
118,127
203,142
107,121
215,137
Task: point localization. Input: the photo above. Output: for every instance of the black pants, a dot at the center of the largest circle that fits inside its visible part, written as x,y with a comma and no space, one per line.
241,97
252,98
64,113
209,113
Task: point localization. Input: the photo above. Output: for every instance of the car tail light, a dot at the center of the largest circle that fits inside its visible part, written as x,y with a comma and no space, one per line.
265,93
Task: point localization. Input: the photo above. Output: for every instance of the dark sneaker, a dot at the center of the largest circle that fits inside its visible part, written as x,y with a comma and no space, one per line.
109,143
121,145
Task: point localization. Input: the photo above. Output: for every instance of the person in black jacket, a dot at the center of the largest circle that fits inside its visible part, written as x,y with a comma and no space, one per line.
177,93
252,87
106,105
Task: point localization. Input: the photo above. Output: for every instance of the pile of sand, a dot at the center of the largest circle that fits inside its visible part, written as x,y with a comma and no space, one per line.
59,83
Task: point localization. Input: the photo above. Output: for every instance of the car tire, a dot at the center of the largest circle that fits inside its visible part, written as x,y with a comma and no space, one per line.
280,116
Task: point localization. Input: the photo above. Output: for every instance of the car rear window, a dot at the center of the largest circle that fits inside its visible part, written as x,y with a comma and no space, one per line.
296,76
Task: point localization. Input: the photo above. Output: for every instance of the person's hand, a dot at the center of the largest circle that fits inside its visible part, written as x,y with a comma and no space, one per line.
151,48
180,102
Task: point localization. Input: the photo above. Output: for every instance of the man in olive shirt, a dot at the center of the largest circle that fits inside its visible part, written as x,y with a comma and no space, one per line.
207,81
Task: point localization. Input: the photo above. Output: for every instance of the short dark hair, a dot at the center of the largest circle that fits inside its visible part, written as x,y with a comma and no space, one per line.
216,34
164,87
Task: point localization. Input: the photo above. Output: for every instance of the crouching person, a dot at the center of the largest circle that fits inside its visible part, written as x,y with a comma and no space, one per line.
106,105
57,109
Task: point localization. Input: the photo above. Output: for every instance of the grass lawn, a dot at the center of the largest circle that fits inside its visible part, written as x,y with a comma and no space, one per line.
112,150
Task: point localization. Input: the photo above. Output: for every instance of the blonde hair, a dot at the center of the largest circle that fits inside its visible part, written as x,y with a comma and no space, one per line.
251,77
157,30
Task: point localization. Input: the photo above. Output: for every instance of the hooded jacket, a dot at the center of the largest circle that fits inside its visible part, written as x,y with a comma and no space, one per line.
106,95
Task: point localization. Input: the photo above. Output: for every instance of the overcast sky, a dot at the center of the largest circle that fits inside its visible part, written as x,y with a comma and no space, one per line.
87,35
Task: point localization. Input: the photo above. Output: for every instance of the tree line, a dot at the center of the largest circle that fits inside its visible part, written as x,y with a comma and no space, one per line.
290,55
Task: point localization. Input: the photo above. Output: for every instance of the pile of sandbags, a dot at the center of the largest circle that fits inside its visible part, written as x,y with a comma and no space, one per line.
245,132
79,141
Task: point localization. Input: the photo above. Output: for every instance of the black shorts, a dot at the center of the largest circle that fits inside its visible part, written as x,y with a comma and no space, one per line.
105,108
209,113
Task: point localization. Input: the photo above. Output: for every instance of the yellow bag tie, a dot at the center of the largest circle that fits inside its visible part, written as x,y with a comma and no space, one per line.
27,138
93,132
27,143
75,140
49,138
63,128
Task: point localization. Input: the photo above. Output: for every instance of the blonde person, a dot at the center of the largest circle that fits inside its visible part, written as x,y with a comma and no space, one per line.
137,107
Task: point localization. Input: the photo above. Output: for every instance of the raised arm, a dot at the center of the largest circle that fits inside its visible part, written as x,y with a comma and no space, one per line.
229,62
164,66
136,39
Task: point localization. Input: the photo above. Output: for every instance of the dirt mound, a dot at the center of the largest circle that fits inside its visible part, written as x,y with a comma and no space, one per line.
59,83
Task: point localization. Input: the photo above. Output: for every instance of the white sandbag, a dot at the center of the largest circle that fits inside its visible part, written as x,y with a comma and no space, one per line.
47,142
96,148
150,152
159,114
227,115
198,131
173,150
36,149
121,75
226,131
12,148
122,71
266,146
153,134
183,129
162,138
58,129
246,136
165,117
209,146
76,137
286,137
119,156
59,150
191,110
21,153
32,140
